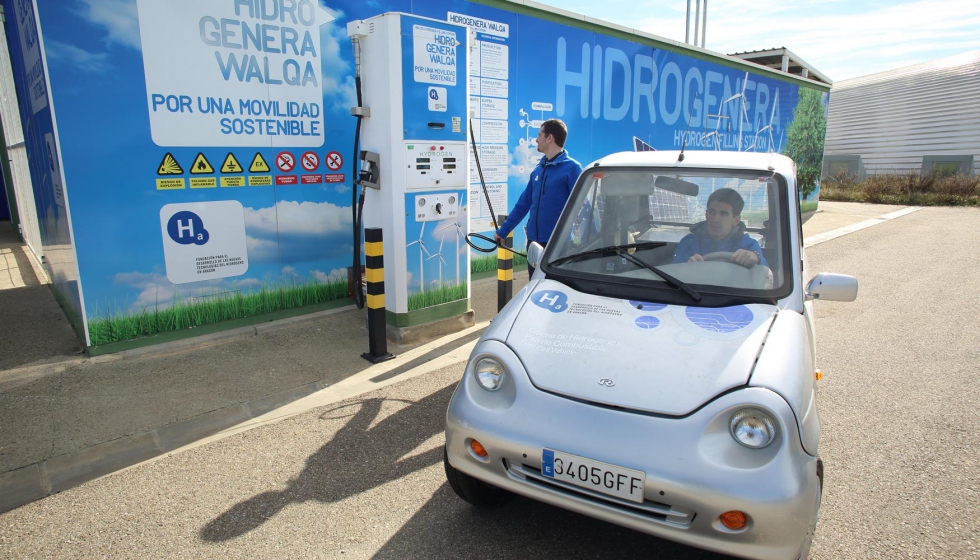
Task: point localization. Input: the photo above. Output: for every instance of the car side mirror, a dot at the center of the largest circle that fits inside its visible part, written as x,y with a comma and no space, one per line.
832,287
534,253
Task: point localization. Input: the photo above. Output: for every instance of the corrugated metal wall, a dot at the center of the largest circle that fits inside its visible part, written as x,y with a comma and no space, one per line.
893,118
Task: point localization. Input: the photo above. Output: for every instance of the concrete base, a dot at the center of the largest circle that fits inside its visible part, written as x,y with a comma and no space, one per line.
429,331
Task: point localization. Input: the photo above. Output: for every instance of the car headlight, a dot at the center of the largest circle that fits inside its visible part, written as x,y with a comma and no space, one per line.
753,428
489,373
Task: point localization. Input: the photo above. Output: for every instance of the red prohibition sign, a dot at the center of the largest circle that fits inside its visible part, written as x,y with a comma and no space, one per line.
285,161
334,161
310,161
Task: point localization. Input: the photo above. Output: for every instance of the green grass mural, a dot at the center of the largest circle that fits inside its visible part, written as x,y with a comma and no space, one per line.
489,262
113,325
445,294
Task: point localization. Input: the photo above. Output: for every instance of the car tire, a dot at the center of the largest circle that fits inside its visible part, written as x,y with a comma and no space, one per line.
474,491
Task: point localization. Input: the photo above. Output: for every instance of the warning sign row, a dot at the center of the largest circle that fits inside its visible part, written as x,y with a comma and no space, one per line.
179,183
285,163
202,166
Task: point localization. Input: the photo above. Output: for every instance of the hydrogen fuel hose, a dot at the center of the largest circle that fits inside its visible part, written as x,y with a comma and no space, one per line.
493,216
357,206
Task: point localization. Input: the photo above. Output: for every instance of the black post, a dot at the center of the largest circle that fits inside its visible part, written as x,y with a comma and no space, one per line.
374,271
505,269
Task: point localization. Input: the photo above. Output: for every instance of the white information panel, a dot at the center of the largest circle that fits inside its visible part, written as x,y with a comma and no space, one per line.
489,89
435,55
222,73
204,240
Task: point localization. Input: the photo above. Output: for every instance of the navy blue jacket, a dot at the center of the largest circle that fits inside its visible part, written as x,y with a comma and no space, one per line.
699,243
544,198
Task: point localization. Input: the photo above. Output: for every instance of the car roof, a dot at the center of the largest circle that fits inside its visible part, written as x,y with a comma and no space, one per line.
702,159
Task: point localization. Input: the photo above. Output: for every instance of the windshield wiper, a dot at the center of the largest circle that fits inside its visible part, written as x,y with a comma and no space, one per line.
608,249
670,280
622,250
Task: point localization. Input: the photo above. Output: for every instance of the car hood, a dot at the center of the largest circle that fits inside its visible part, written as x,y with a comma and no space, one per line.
652,357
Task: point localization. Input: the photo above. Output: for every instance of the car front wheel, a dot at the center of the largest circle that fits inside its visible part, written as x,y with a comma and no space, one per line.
472,490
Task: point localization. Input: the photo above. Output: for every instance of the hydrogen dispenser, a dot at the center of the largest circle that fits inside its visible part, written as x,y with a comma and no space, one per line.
413,131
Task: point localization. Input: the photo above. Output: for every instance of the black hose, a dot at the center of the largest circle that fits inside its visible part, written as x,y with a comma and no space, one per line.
493,216
357,208
496,245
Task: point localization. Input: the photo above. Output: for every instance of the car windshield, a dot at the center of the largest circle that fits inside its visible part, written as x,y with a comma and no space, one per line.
711,231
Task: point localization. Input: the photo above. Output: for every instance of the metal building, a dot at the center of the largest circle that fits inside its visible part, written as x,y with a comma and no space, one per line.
924,117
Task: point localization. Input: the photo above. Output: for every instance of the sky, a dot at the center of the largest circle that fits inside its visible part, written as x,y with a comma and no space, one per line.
841,39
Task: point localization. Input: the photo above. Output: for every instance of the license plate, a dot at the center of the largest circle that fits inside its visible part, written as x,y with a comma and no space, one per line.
596,476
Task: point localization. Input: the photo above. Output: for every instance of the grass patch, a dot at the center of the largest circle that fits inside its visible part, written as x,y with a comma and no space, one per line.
912,189
489,263
428,298
112,325
808,206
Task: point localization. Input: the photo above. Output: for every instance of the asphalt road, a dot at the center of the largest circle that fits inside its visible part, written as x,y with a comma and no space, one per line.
363,478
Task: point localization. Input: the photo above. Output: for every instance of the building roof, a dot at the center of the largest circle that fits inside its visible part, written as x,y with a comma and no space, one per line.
785,60
967,62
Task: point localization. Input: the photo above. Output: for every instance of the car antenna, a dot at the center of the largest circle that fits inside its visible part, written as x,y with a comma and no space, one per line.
680,157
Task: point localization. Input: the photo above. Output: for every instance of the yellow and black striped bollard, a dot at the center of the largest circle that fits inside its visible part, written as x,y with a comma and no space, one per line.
374,272
505,269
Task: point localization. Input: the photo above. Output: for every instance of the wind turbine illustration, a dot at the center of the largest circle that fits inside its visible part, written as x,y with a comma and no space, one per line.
743,113
422,249
459,233
442,261
714,133
768,127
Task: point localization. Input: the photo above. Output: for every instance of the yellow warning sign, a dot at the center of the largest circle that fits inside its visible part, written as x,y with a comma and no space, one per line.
204,182
201,165
258,164
169,166
237,181
231,164
260,180
170,184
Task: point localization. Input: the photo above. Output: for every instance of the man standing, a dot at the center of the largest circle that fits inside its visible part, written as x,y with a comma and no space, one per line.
548,189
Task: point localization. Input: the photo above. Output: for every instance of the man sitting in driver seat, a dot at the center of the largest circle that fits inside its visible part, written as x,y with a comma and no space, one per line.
722,231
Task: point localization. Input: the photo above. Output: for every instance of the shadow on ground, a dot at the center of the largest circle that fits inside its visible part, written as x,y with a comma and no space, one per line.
445,527
330,474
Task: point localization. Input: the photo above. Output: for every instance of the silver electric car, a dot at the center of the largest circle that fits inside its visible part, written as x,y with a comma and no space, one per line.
658,371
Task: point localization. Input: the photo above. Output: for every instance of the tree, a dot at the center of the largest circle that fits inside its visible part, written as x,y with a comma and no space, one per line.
805,137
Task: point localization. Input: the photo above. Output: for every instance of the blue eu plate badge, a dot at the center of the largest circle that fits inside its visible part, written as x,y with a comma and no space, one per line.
548,463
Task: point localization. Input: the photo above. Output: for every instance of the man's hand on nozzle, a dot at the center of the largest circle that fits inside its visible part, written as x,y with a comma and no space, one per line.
499,240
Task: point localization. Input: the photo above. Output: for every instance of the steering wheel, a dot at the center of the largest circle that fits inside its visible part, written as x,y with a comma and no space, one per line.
719,256
723,256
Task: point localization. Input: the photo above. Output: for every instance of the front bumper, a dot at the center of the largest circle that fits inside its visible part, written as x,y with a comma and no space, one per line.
694,470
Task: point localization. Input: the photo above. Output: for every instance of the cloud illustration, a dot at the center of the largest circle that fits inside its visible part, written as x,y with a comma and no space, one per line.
155,291
81,59
292,232
118,17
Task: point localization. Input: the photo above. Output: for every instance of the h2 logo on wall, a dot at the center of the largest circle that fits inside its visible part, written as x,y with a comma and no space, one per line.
186,228
194,252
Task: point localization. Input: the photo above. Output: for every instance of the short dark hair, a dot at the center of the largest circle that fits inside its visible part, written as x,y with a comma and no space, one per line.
557,129
729,197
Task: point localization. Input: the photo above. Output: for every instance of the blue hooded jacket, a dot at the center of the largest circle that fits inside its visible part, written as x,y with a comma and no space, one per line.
544,198
699,243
